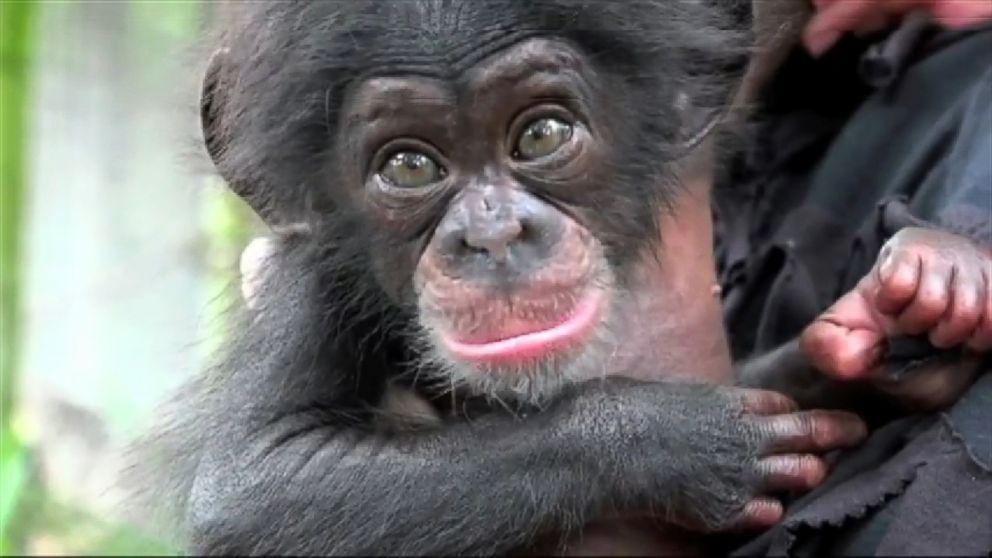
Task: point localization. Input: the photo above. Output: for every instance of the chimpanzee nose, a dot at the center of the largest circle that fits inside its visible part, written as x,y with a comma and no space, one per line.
493,229
498,229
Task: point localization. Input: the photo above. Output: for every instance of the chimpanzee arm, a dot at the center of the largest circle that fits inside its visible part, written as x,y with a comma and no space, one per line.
285,465
899,383
483,487
789,371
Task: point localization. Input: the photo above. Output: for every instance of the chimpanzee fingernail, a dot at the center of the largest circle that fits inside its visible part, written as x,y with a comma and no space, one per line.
819,43
886,268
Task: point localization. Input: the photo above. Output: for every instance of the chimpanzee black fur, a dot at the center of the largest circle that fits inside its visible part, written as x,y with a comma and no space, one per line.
274,451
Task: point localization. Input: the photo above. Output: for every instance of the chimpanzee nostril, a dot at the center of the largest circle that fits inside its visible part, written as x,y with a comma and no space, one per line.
464,248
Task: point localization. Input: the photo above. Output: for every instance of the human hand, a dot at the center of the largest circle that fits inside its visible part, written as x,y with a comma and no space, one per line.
834,18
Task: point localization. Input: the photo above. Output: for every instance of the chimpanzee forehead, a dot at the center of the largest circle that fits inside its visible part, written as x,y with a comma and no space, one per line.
444,38
538,66
339,41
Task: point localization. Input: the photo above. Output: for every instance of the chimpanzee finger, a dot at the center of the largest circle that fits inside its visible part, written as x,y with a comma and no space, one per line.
758,514
840,351
981,338
899,274
932,298
964,311
810,431
762,402
780,473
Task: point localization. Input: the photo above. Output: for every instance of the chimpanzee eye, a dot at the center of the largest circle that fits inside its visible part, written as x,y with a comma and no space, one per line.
411,169
542,138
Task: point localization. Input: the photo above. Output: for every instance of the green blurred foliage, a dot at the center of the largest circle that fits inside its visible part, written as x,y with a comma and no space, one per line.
16,48
228,225
32,518
46,526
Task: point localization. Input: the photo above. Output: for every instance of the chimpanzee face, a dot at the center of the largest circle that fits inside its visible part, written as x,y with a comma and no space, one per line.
473,180
506,164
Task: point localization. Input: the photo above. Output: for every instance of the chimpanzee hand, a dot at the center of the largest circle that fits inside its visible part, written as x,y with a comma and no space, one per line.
740,448
924,282
789,442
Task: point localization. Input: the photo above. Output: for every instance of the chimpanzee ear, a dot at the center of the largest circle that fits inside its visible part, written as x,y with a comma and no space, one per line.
216,138
211,104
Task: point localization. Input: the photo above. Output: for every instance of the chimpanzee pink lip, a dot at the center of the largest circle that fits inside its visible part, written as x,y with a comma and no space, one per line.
571,330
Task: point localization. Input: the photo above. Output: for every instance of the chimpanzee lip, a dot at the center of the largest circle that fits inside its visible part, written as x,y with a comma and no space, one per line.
531,340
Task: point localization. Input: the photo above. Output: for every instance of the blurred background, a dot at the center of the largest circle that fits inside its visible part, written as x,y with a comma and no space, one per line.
119,255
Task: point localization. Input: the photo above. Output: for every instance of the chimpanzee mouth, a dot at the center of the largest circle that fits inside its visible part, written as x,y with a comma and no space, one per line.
528,336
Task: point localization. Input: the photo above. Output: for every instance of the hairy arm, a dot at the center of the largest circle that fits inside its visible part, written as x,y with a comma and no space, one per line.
788,370
485,487
285,461
290,466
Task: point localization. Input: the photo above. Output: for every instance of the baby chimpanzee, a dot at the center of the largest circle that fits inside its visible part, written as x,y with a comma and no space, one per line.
479,185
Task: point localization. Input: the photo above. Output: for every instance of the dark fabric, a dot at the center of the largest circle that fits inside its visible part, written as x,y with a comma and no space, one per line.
836,168
918,487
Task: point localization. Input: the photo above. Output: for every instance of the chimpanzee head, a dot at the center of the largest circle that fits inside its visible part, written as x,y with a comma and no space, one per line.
498,167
